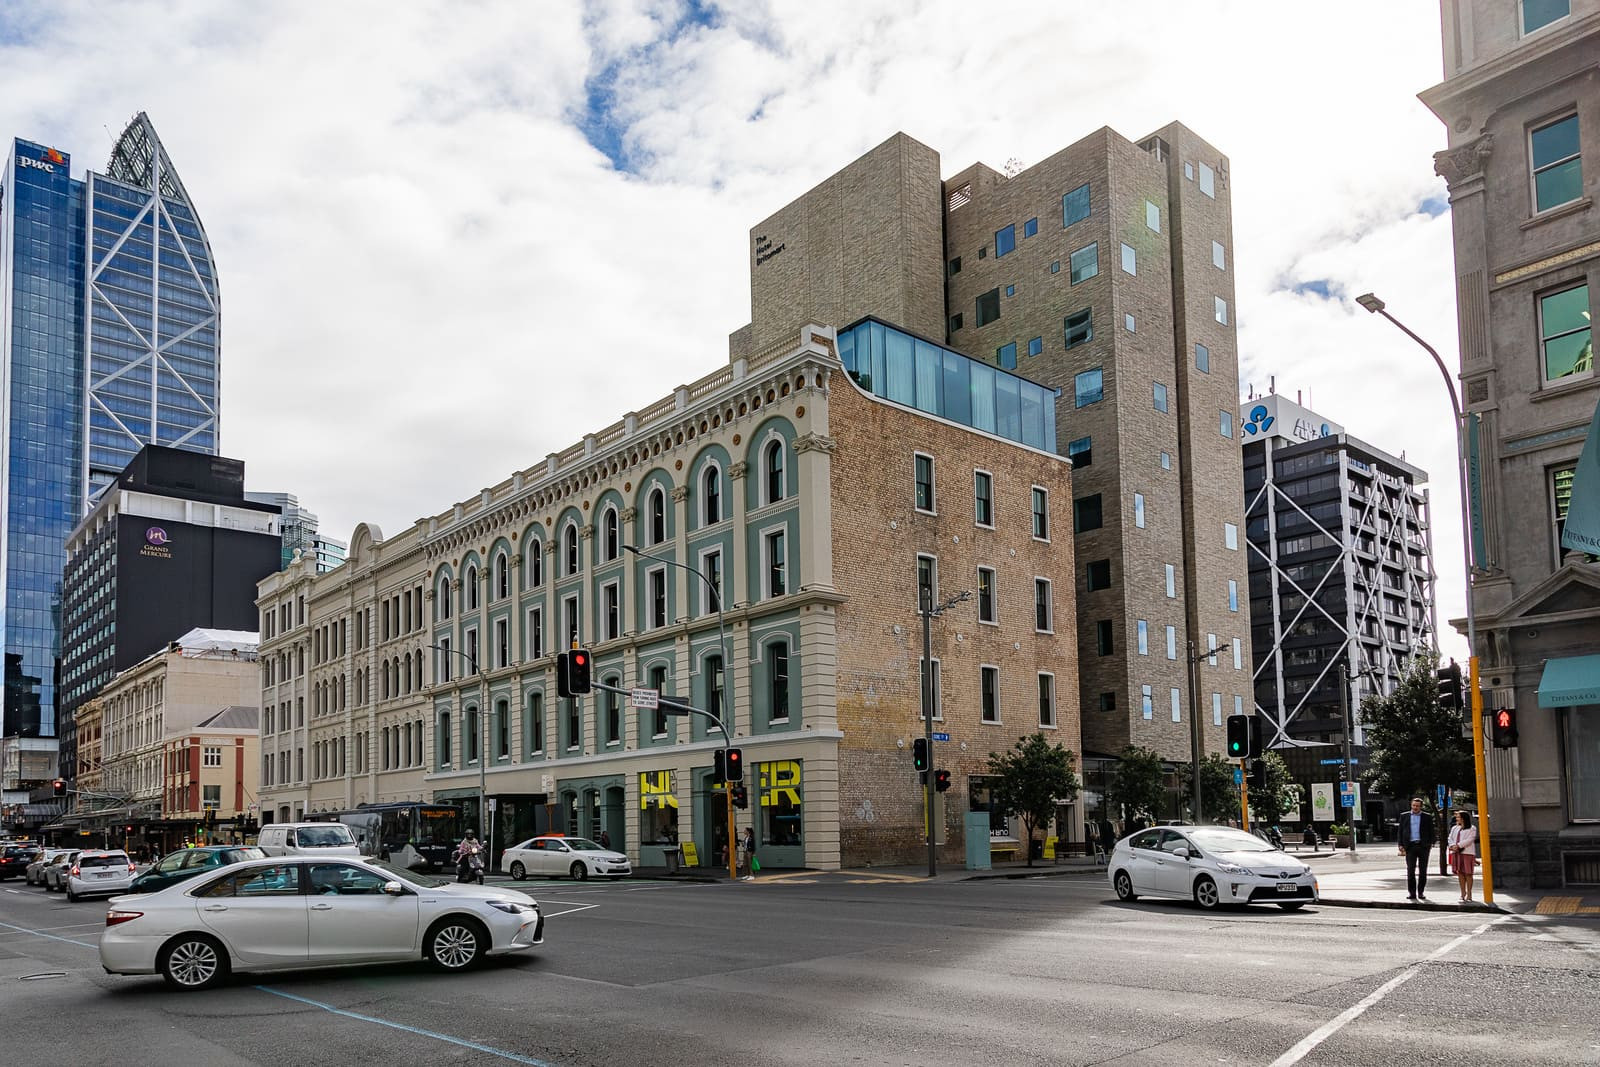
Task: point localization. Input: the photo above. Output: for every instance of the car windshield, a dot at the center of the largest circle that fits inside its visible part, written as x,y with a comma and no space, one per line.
582,844
114,860
1222,839
331,836
410,877
239,855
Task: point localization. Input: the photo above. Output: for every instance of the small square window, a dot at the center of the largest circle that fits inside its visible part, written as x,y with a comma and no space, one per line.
955,322
1108,702
1098,575
1222,311
1081,452
1011,290
1087,513
1152,216
1030,227
1166,461
988,307
1079,327
983,253
1202,358
1085,263
1127,323
1035,346
1158,393
1188,171
1219,258
1006,356
955,266
1225,425
1004,241
1129,260
1088,388
1055,266
1075,206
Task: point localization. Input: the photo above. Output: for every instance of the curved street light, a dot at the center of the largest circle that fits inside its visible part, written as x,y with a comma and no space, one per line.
483,746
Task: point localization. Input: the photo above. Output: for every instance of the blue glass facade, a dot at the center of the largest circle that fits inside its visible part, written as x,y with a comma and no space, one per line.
108,341
42,218
920,374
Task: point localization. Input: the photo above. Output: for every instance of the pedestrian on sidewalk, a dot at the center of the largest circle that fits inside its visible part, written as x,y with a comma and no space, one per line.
1415,836
747,850
1464,852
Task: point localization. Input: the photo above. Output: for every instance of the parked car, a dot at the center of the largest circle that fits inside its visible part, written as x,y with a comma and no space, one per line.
554,855
307,839
35,871
14,860
186,863
291,913
98,872
1212,865
55,872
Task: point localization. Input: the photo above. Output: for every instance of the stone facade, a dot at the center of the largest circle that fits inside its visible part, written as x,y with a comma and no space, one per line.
423,668
1516,245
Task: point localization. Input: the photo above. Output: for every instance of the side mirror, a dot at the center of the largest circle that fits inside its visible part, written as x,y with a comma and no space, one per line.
1181,853
394,889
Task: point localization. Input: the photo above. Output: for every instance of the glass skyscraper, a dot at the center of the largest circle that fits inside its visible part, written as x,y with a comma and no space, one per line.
108,341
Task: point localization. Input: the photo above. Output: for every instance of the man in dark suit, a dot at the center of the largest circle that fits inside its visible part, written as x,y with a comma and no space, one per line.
1415,835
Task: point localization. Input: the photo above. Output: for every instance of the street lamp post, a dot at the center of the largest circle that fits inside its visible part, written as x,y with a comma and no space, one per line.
728,684
1195,745
483,747
927,609
1376,306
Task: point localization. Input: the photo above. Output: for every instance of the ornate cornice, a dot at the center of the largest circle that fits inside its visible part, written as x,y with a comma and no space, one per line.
1463,162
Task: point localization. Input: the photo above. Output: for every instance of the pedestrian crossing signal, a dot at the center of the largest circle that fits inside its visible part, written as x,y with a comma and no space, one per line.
1505,728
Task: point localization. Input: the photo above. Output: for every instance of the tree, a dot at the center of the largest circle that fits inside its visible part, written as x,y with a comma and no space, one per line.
1219,796
1030,780
1415,744
1280,796
1137,786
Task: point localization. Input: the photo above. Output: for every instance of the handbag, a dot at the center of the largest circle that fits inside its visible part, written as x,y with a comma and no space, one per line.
755,864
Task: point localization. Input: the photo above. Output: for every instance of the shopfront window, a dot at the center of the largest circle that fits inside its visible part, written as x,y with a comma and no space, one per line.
780,787
658,809
1583,764
980,797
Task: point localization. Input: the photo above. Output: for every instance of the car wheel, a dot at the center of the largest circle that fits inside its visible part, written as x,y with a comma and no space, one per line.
193,961
1292,905
518,871
1124,886
455,944
1206,894
579,872
71,896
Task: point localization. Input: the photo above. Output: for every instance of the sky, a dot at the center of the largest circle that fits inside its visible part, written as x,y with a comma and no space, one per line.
454,237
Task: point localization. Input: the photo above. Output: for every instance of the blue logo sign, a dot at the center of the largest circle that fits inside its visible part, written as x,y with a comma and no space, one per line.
1260,421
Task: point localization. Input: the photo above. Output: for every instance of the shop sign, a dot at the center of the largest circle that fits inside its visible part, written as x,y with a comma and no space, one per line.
655,790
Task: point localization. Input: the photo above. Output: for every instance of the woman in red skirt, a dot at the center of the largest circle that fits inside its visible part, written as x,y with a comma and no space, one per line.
1464,852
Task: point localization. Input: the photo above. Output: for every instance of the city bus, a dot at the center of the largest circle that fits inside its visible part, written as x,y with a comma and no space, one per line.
409,834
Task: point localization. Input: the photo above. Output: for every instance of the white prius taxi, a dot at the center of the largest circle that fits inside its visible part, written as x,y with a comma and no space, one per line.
1212,865
289,913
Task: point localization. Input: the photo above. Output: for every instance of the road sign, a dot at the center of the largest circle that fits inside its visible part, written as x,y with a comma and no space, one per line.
1238,776
1346,788
492,803
941,737
644,699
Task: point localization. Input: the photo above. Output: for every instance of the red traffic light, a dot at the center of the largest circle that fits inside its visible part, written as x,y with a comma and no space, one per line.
1504,728
59,787
1502,718
580,658
941,780
735,765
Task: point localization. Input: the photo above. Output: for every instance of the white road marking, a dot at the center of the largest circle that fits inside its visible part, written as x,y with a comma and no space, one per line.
52,937
576,907
1334,1025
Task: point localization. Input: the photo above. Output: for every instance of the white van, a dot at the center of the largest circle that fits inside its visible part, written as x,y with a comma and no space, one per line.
307,839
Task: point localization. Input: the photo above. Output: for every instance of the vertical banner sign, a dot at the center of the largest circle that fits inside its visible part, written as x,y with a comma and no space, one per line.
1475,489
1582,528
1322,808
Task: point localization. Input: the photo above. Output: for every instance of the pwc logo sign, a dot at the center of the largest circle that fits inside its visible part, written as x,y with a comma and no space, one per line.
47,163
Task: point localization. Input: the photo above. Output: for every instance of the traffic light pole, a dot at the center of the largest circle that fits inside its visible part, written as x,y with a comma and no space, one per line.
928,609
674,707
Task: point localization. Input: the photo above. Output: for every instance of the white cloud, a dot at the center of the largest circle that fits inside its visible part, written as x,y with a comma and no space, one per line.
430,277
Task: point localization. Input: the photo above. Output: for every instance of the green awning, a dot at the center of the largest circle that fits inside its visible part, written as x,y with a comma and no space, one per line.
1570,680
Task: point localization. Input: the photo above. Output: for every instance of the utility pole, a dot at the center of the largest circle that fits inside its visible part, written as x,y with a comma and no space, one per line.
1349,765
927,609
1194,727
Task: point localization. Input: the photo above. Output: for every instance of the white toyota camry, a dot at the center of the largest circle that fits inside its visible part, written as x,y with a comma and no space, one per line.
554,854
290,913
1213,865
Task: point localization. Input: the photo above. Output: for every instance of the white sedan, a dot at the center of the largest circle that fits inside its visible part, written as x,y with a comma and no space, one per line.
299,912
554,855
1212,865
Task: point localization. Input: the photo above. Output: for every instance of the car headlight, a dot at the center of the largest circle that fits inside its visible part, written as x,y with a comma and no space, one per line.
511,907
1233,868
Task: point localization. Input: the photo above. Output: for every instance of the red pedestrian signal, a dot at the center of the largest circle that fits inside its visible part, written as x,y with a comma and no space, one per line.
741,797
941,780
1504,728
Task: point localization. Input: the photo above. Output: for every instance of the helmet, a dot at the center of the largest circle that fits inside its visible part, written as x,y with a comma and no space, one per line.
472,833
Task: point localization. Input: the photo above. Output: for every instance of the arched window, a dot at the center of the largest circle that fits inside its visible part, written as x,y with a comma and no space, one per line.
611,542
444,739
772,468
472,588
711,483
502,576
407,670
385,689
534,563
658,516
777,665
569,548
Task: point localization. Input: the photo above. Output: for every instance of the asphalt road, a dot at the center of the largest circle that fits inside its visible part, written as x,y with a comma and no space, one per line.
828,969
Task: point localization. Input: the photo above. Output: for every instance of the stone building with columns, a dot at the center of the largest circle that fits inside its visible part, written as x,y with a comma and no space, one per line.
817,485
